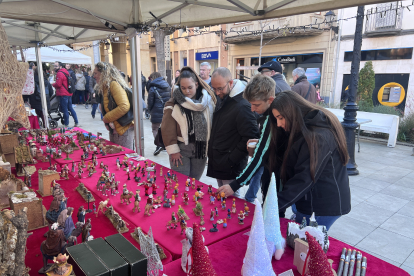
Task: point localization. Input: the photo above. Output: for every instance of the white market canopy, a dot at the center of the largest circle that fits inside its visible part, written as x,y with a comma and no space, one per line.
121,14
51,55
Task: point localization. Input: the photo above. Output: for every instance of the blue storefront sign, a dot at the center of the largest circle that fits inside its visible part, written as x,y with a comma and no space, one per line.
207,55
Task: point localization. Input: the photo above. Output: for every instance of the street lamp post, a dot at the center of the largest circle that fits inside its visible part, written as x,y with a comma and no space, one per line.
351,107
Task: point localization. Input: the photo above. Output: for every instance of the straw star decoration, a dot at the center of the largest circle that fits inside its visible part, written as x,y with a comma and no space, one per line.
12,79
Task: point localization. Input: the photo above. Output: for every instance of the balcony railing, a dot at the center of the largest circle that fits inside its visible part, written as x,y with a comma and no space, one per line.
384,19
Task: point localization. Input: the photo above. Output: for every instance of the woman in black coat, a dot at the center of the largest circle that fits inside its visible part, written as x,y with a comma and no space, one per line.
35,99
158,94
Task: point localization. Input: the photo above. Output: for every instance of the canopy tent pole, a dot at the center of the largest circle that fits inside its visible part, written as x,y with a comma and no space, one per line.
137,92
42,86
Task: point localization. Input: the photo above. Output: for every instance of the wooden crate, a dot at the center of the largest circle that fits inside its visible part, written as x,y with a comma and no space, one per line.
45,181
36,212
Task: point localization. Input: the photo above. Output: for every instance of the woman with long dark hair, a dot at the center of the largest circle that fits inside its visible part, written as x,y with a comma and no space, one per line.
307,149
186,124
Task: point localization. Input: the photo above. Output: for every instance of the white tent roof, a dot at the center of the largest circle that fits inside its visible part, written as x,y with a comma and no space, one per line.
121,14
51,55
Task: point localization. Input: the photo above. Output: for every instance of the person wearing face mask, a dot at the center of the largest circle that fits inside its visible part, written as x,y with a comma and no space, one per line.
233,125
186,124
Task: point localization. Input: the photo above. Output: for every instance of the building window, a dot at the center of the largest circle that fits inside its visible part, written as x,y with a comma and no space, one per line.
382,54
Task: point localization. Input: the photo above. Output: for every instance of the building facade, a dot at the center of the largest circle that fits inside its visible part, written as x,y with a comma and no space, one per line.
388,40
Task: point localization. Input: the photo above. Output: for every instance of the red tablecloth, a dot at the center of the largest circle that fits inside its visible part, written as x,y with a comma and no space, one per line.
76,155
158,220
227,258
101,226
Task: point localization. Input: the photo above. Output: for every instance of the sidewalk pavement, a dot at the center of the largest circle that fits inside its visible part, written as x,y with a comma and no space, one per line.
382,218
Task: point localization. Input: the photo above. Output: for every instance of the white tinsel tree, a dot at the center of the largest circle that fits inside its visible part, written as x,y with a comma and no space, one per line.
149,249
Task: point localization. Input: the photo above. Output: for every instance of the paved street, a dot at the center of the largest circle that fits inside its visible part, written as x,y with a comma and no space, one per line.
382,218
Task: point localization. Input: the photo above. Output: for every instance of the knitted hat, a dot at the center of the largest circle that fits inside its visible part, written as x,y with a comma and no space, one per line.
318,262
201,261
271,65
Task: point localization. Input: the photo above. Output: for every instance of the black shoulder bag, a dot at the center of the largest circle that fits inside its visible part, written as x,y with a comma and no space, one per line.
129,116
158,138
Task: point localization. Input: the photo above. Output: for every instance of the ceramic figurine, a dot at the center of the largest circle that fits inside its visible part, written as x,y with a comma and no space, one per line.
233,208
148,175
116,187
210,190
224,223
193,185
129,178
241,217
176,189
172,224
136,202
216,210
169,174
211,215
222,196
223,205
161,171
94,207
187,186
214,229
146,189
172,200
154,189
149,206
228,213
246,209
185,197
202,220
183,225
212,198
118,166
117,160
167,203
125,190
125,162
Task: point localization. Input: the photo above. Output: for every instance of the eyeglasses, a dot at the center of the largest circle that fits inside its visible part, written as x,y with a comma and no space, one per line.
220,89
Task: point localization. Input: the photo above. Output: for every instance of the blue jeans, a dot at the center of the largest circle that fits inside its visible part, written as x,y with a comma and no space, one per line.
66,105
94,107
254,185
328,221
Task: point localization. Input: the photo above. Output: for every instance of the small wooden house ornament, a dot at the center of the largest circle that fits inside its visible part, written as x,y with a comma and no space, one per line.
301,251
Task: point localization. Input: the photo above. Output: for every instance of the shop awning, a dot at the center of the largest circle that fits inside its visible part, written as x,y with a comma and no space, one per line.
52,55
109,15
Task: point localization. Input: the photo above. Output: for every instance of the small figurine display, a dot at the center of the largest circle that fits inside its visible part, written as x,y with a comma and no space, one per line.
94,208
212,198
223,205
241,217
176,189
73,166
172,200
185,197
146,186
216,210
136,202
198,210
214,229
161,171
211,215
210,190
224,223
229,213
193,184
173,223
154,189
246,209
81,214
126,195
181,213
167,203
183,224
233,208
149,206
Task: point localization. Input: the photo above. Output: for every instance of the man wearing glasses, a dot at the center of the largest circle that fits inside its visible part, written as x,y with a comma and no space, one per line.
274,70
233,125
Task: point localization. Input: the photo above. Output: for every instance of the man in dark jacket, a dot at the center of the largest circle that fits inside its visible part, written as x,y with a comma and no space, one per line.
159,93
62,91
274,70
233,125
303,87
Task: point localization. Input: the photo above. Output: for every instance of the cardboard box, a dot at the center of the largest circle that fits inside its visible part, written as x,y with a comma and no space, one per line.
116,265
136,260
85,262
45,181
7,144
301,251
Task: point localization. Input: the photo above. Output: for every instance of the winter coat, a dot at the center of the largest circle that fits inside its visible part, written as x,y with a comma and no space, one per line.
61,83
155,106
281,84
329,195
120,96
92,83
233,125
87,78
35,99
144,85
302,87
80,82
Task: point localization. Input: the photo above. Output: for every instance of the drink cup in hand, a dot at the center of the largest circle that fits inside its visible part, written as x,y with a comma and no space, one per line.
251,147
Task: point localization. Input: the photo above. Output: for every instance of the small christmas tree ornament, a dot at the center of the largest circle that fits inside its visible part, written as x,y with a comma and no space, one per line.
257,260
275,242
318,262
201,261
